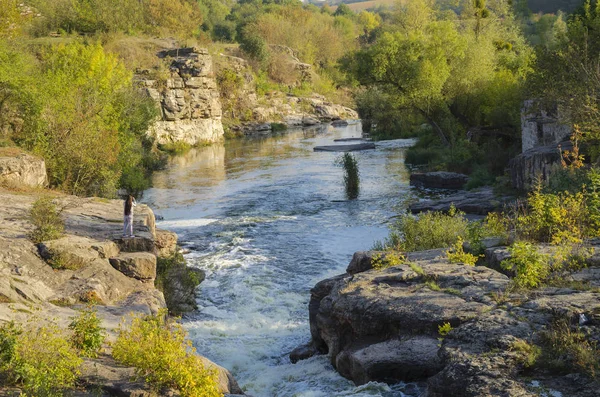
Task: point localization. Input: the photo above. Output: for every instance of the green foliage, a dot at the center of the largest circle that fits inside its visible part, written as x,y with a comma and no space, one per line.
432,285
180,18
530,266
494,225
457,254
428,231
444,329
38,360
351,174
567,349
387,259
46,219
163,357
528,353
555,218
177,281
278,127
88,335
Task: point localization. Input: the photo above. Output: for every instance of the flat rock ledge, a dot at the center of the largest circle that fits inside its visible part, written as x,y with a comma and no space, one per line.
382,325
91,263
476,202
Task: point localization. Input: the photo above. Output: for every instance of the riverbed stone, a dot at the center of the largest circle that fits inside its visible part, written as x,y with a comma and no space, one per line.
439,180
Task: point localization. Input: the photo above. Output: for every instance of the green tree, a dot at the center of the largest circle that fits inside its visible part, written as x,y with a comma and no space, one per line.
343,10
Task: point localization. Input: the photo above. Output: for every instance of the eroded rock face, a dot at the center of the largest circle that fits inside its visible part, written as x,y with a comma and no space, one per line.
536,164
22,169
190,105
139,265
383,325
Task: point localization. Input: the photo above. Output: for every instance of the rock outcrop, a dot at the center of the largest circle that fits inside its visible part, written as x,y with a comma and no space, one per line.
189,100
536,164
18,168
543,136
277,107
383,325
91,263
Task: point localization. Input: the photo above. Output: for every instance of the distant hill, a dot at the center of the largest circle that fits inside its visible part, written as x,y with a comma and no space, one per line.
552,6
545,6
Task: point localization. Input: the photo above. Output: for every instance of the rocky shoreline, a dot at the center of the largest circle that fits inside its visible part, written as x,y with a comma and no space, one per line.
116,274
384,325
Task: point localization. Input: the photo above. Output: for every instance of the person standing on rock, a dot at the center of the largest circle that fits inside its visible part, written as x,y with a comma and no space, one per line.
128,216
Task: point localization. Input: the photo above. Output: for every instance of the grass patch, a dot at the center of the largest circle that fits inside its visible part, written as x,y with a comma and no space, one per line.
278,127
528,353
567,349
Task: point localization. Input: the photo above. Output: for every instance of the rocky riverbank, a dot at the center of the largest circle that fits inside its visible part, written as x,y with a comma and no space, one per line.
384,325
116,274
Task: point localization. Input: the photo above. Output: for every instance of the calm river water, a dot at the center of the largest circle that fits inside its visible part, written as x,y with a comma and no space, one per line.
266,218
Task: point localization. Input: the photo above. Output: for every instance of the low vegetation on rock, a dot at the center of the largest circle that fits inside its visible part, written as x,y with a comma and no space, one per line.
38,359
157,347
88,335
46,219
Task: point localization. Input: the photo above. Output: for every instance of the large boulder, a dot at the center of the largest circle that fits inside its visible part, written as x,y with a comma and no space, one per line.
373,307
439,180
139,265
21,169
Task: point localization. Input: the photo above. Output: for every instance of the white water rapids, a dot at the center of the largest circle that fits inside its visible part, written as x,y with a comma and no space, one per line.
267,219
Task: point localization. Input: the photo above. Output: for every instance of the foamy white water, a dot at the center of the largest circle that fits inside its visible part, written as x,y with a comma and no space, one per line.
267,219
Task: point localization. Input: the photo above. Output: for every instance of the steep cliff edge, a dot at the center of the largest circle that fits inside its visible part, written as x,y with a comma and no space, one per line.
90,263
384,325
190,108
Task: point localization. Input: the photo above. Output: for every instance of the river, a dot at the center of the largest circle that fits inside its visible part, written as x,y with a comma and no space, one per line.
266,218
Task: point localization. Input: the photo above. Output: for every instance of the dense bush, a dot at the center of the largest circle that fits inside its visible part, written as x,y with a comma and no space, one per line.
38,360
530,266
163,357
554,218
46,219
180,18
76,107
88,335
427,231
